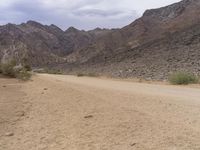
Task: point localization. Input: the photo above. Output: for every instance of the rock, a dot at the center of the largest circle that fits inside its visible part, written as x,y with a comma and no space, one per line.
9,134
20,113
89,116
45,89
133,144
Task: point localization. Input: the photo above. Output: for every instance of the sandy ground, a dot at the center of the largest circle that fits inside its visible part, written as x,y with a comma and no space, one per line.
70,113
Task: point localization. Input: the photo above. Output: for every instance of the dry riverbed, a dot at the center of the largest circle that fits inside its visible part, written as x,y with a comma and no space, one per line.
55,112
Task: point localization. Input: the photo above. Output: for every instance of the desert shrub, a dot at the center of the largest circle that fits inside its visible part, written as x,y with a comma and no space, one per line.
53,71
7,69
0,69
80,74
40,70
92,75
23,75
48,71
27,67
183,78
87,74
10,69
25,63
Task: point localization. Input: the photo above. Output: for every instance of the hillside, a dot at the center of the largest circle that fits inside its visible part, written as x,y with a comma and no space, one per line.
163,40
40,44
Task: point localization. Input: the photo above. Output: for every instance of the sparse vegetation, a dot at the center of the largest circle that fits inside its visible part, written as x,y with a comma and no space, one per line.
80,74
87,74
0,69
23,75
27,67
92,75
53,71
26,64
48,71
10,69
183,78
7,69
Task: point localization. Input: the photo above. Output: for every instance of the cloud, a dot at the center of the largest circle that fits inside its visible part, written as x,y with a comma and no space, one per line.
83,14
96,13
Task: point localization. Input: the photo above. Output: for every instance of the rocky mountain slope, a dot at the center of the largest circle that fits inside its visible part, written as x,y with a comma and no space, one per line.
163,40
40,44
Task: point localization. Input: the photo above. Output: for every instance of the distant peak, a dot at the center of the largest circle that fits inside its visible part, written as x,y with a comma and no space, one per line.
72,29
11,26
31,22
55,27
34,24
98,29
170,11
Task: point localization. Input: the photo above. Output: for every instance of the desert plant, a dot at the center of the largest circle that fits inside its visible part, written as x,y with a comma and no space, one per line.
48,71
10,69
183,78
92,75
7,69
80,74
0,69
87,74
27,67
53,71
23,75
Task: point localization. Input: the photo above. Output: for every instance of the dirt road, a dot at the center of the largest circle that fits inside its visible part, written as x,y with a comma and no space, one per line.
70,113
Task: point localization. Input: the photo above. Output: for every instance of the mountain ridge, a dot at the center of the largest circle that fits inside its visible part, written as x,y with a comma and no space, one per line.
162,40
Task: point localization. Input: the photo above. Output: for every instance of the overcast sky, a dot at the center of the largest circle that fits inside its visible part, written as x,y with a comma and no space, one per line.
82,14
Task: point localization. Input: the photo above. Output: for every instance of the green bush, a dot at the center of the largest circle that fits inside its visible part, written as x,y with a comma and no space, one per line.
7,69
25,63
23,75
53,71
48,71
10,69
27,67
183,78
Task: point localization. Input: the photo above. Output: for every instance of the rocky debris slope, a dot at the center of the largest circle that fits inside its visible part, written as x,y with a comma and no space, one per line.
163,40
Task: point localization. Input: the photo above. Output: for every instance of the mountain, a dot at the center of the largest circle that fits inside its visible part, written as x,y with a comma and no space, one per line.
41,45
163,40
33,41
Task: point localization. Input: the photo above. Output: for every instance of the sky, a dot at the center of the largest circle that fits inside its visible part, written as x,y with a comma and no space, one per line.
82,14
